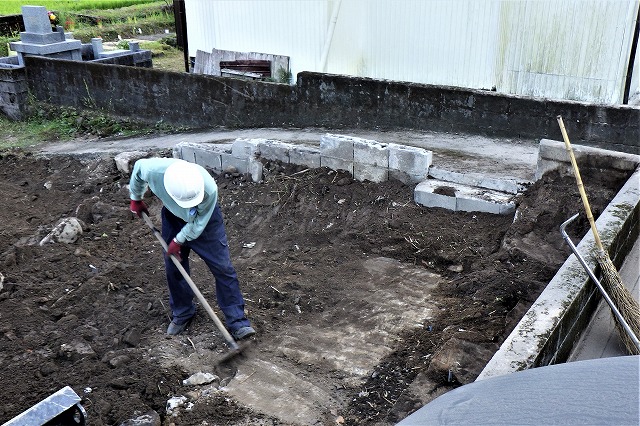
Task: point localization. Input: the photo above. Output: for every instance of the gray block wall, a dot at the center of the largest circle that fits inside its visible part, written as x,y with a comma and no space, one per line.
331,101
14,91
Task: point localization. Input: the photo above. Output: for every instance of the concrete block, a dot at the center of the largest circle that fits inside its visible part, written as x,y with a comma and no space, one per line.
231,161
411,160
509,185
404,177
209,158
459,197
72,47
244,148
113,53
305,156
370,153
275,150
250,165
471,204
424,195
336,163
186,151
337,146
255,169
553,155
364,172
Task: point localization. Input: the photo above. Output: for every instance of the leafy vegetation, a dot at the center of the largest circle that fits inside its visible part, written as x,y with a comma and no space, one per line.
13,7
54,123
109,19
121,22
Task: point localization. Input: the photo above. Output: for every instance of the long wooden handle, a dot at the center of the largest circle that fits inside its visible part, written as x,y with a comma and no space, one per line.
583,194
230,341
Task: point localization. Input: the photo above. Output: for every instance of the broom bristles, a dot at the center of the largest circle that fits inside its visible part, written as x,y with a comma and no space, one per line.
622,299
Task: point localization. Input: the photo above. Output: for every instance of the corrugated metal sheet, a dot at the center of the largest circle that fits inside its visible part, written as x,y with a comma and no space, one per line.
570,49
567,49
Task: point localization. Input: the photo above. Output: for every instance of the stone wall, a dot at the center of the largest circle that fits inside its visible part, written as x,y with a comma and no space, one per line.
322,100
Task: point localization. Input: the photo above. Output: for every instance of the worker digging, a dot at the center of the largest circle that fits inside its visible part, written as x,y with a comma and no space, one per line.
191,220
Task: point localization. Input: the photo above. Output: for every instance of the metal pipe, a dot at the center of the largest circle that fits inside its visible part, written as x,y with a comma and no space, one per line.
613,307
329,38
632,58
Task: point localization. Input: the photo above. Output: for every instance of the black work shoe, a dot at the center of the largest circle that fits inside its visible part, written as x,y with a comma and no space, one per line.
243,333
174,328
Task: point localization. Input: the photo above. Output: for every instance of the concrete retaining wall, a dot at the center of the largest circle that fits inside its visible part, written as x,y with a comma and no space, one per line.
549,329
322,100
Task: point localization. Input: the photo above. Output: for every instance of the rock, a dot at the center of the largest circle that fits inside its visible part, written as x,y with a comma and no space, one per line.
48,368
125,160
456,268
149,419
66,231
119,360
81,252
101,211
459,360
83,212
76,350
175,402
200,378
132,337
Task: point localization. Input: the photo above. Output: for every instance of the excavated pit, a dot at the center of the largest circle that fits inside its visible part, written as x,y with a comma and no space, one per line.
366,304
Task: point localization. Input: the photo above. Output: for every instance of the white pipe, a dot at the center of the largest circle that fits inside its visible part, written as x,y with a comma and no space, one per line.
329,38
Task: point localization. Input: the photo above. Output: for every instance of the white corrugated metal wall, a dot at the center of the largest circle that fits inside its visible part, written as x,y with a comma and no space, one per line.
561,49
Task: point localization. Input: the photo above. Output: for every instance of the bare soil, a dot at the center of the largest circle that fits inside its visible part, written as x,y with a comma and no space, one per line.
92,314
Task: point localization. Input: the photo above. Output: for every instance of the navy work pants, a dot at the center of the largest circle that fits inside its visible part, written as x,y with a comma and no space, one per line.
212,247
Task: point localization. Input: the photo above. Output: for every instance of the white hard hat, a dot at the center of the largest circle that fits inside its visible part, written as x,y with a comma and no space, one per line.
184,183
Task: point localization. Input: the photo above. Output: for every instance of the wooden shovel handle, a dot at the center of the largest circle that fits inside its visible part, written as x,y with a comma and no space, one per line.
583,195
227,336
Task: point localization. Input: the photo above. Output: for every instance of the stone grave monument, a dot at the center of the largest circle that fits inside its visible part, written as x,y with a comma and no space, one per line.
39,39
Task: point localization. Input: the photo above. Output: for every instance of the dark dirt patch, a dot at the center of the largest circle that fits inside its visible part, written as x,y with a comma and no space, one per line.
92,314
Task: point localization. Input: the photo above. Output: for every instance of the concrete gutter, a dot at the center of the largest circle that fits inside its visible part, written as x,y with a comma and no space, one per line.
548,331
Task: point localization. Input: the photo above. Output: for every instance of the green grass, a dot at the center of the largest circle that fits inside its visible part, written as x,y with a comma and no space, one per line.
123,21
129,19
13,7
50,123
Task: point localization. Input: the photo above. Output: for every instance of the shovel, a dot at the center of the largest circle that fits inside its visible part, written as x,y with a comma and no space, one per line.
233,345
612,305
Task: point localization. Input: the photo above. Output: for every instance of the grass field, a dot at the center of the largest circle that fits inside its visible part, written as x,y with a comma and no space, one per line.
13,7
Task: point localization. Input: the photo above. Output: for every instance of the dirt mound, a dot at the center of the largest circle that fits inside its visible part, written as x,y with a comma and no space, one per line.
92,314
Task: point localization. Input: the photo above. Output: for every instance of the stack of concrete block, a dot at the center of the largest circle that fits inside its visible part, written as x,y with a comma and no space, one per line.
377,162
221,157
366,160
270,149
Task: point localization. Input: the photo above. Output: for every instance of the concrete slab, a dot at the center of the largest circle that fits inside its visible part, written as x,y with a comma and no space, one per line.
458,197
390,297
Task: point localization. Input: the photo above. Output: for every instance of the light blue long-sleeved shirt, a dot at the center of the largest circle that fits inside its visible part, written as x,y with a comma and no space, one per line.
149,173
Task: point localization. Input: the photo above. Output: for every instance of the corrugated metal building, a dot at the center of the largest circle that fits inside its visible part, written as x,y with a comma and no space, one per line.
558,49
